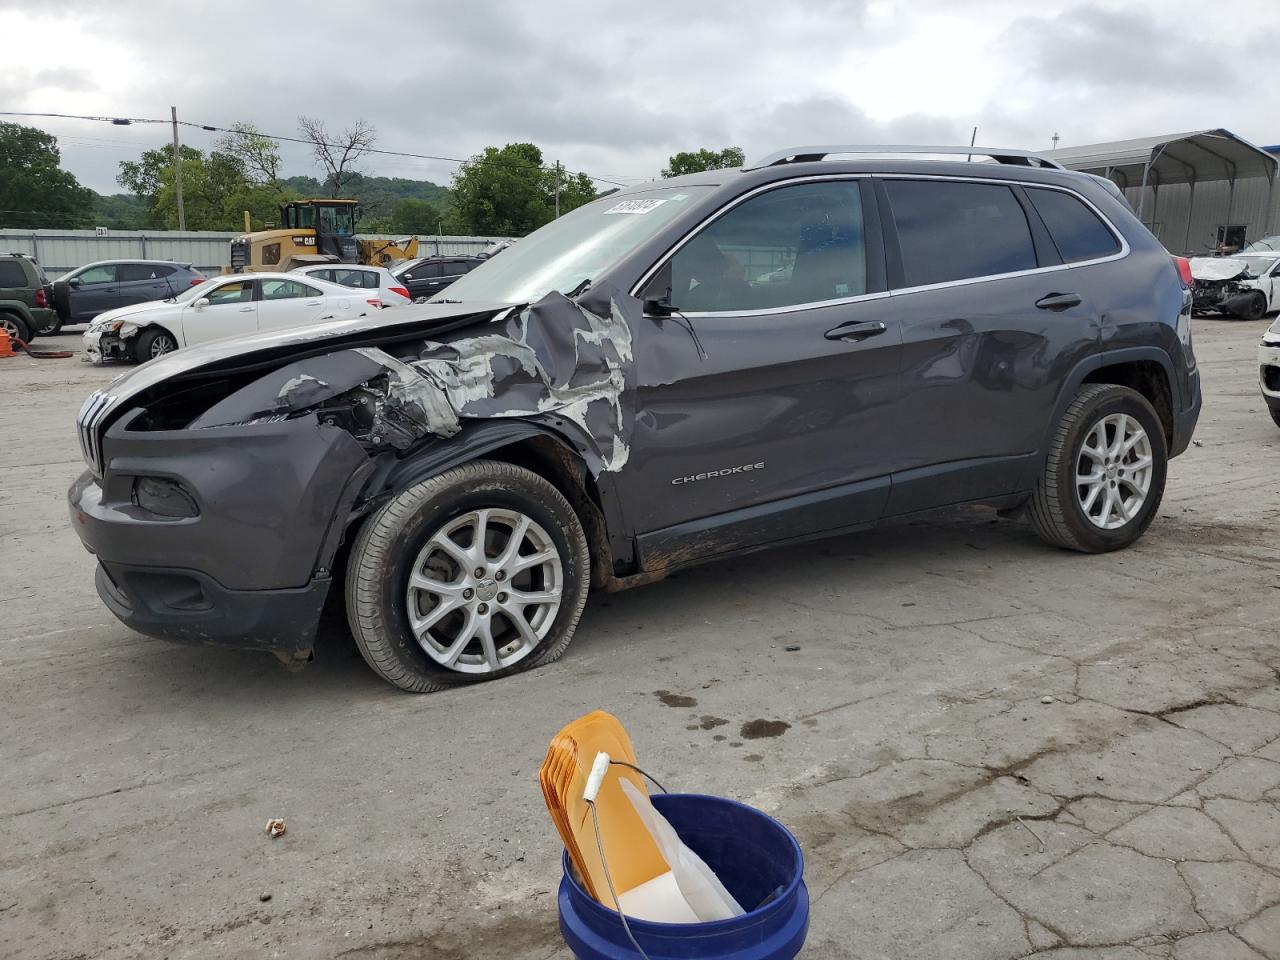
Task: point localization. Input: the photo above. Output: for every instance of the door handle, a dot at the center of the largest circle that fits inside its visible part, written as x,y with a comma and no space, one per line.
1059,301
246,309
313,303
857,330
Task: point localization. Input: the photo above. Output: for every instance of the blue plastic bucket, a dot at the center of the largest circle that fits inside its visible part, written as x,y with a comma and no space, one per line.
753,855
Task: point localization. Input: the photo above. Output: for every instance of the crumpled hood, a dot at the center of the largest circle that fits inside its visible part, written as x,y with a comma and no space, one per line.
1217,268
128,313
413,318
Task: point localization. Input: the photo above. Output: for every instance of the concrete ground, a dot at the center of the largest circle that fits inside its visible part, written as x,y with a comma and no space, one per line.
988,748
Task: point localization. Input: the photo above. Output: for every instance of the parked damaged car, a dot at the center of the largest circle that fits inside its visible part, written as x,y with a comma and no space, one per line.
1269,370
674,373
1246,286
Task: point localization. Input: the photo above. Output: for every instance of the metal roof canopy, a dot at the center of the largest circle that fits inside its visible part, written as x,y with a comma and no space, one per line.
1191,158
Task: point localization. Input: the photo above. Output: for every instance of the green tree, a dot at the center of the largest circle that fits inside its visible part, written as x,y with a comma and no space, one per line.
508,191
145,176
415,216
34,189
258,154
216,190
695,161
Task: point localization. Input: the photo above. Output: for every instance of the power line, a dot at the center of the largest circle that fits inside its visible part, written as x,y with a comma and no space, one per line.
279,138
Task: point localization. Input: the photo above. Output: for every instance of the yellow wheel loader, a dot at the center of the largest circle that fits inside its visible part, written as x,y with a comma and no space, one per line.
314,231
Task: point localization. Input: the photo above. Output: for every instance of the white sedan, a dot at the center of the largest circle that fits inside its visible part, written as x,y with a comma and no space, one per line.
229,306
377,281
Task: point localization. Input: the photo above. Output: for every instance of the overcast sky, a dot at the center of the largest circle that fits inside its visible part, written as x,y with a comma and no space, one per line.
613,87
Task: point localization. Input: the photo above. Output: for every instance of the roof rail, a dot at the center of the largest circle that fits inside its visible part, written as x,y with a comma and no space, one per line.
1022,158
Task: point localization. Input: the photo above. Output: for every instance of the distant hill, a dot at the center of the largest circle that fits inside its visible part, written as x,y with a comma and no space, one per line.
377,195
119,211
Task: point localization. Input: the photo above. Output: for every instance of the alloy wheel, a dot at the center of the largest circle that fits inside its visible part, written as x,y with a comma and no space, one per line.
1113,472
485,590
161,345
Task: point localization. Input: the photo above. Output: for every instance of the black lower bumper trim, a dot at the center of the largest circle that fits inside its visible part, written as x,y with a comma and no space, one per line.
188,606
1184,423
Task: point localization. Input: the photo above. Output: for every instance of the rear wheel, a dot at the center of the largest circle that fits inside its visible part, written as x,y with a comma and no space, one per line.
472,575
51,327
1275,414
154,343
15,327
1104,475
1256,308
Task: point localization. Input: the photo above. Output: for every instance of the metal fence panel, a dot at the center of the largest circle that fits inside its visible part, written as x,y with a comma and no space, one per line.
61,251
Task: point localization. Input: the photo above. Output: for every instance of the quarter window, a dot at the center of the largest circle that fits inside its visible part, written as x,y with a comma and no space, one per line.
12,274
1076,230
956,231
794,245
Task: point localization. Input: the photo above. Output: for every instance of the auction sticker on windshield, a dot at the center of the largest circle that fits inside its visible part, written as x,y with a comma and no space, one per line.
636,206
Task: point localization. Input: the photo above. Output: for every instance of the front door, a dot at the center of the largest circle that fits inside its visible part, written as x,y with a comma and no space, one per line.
94,290
224,309
765,405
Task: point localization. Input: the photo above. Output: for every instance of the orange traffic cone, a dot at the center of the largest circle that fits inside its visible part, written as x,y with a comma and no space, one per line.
6,345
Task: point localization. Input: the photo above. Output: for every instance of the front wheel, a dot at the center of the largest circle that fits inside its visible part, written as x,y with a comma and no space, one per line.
154,343
1104,475
472,575
1256,308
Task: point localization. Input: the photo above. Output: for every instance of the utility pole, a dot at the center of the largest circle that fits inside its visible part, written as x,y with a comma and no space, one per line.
177,170
557,189
1055,139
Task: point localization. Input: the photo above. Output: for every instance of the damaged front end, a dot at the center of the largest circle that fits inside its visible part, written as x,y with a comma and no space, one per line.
1221,285
109,341
219,491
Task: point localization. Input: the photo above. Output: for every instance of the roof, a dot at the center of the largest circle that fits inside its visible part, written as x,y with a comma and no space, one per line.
322,202
1192,157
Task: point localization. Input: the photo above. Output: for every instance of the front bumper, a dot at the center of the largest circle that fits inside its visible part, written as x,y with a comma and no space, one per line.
102,344
251,569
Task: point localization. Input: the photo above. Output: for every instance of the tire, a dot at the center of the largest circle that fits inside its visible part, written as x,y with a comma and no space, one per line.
153,343
1256,309
1058,505
52,328
15,326
1275,414
399,541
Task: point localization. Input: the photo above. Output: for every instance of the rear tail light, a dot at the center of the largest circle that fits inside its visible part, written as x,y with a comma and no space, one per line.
403,291
196,280
1184,270
374,302
41,299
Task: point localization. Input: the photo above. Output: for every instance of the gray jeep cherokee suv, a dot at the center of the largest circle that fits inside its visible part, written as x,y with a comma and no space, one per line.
677,372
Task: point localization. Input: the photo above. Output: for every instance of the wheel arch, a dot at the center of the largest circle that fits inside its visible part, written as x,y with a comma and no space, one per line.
142,331
536,447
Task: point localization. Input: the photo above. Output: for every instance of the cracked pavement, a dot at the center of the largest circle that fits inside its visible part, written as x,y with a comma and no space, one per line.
988,748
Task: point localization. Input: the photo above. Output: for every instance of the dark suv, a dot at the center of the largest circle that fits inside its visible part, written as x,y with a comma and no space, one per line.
98,287
677,372
427,276
25,298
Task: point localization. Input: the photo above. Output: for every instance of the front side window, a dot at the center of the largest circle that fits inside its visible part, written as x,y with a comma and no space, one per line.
102,274
1076,230
286,290
793,245
958,231
237,291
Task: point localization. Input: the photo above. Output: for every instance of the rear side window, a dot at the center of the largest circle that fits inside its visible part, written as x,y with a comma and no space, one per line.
322,275
424,271
1076,230
957,231
143,271
12,274
790,246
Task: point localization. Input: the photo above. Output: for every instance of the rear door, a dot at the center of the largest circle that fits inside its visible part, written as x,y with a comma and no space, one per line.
94,290
992,321
225,308
291,303
142,282
766,401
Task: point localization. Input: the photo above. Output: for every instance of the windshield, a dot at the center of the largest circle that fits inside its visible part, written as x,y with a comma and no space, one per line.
1265,245
579,246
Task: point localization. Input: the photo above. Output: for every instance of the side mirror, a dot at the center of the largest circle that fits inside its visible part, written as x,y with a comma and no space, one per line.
658,306
656,295
201,303
74,282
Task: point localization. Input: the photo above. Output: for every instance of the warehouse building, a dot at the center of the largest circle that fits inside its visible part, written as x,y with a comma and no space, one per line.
1199,192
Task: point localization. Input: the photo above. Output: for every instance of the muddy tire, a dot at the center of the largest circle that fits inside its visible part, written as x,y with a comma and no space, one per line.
1256,308
472,575
51,328
1104,475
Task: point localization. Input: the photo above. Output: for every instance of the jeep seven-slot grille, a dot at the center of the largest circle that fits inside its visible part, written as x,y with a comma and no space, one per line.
87,423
